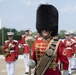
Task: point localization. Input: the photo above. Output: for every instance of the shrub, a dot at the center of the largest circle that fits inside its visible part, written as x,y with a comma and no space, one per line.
1,47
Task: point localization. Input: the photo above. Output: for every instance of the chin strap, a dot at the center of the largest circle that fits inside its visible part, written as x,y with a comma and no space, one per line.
48,36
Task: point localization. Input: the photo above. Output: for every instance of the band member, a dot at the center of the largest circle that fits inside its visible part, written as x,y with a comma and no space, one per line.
25,50
69,51
10,51
74,41
45,52
74,49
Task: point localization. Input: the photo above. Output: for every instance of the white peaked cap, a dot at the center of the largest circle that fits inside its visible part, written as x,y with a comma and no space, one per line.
26,29
66,33
10,33
71,32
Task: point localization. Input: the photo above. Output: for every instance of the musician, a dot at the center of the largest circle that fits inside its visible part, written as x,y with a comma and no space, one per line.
10,47
68,44
71,35
73,38
69,51
25,50
47,27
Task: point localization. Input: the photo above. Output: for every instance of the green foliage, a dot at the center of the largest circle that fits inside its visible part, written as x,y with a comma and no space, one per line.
62,34
17,37
75,33
1,47
21,32
0,39
35,33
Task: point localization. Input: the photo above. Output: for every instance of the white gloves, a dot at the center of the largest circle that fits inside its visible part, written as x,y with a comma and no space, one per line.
11,45
20,46
65,72
31,63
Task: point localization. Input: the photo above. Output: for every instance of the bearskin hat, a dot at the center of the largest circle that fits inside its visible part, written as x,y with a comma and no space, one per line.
47,19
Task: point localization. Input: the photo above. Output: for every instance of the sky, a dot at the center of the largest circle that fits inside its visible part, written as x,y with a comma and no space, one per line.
21,14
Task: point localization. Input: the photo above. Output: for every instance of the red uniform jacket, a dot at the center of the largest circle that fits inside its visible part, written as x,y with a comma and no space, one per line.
13,52
37,51
25,45
74,44
68,47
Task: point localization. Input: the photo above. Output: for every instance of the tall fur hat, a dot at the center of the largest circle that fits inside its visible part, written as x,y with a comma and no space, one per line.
47,19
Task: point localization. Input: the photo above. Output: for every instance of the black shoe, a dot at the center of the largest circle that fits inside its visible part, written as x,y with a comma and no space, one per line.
27,73
69,74
73,69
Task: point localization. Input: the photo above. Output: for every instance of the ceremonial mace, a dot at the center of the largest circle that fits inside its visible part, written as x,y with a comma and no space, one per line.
30,40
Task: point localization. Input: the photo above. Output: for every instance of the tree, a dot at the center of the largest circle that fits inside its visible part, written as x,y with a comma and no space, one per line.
62,34
21,32
75,33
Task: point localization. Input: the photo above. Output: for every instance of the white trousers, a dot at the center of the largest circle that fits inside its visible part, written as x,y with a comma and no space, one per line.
59,65
71,64
10,66
26,57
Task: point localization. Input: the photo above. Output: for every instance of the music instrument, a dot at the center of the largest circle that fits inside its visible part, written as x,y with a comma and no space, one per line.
7,51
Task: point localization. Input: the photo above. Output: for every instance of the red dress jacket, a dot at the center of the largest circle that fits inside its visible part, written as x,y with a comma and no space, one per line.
25,45
74,45
68,47
37,51
13,52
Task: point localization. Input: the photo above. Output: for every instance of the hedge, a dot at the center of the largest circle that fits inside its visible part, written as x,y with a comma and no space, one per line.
1,50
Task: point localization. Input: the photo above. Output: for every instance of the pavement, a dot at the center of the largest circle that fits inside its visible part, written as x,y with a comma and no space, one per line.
19,67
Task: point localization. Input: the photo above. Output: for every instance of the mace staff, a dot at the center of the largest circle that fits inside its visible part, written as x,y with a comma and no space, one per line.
30,40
